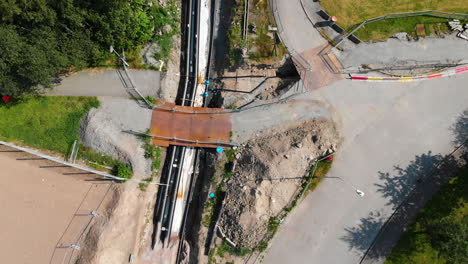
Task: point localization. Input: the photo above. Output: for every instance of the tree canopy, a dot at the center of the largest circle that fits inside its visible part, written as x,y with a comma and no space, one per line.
42,38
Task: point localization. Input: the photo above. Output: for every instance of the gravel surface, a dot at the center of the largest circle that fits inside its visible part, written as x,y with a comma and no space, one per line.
102,130
257,119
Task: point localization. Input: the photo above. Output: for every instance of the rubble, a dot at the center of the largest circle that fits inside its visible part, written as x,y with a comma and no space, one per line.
268,177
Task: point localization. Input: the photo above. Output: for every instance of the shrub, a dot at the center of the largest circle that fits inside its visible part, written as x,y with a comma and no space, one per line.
123,171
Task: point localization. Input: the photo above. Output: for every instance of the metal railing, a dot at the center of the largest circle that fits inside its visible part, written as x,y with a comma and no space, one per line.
298,58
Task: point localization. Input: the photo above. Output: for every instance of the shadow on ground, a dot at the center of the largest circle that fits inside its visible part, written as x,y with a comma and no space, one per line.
407,190
360,237
397,185
460,129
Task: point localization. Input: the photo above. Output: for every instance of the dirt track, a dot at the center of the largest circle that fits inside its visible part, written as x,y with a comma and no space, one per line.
42,207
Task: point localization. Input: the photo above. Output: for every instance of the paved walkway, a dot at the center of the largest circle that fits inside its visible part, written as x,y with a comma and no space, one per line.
304,43
107,82
394,52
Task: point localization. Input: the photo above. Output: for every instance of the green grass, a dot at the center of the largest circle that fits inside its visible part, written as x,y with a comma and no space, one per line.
351,13
440,231
230,154
236,43
102,159
224,247
384,29
44,122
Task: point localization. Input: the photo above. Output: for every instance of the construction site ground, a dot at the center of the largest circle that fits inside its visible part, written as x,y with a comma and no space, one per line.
46,208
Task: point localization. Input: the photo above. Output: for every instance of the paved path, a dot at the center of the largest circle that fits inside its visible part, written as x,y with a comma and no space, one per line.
397,52
106,82
304,43
393,133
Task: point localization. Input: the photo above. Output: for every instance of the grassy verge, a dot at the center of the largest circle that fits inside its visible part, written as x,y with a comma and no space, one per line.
236,43
439,234
155,154
261,44
310,183
44,122
263,40
351,13
51,123
384,29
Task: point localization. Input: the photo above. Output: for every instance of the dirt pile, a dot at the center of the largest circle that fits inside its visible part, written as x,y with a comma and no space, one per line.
270,172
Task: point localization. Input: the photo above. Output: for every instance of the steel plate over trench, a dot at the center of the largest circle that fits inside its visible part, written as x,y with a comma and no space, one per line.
190,126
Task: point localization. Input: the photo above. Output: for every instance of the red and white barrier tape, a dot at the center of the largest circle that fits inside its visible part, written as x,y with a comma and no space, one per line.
416,78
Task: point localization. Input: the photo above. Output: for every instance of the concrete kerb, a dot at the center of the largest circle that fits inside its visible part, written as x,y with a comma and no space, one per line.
444,74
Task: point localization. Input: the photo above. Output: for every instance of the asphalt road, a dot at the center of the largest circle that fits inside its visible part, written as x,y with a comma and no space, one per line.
393,133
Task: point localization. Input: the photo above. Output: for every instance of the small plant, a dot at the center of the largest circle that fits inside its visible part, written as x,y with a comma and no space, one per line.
225,247
273,225
232,107
230,154
123,171
142,186
150,100
262,246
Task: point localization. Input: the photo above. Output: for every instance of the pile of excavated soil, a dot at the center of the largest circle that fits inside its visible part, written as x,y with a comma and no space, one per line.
270,172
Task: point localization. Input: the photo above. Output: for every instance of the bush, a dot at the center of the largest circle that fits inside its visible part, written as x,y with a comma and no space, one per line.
123,171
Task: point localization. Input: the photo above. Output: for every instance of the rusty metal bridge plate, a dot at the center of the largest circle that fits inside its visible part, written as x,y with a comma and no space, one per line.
190,126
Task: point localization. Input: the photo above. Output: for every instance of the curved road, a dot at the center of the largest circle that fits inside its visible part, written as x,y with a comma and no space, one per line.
393,133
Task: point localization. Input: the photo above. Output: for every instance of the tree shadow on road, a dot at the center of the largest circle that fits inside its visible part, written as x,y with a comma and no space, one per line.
360,237
460,128
407,189
397,185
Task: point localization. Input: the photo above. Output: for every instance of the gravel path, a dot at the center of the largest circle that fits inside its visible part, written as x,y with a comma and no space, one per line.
254,120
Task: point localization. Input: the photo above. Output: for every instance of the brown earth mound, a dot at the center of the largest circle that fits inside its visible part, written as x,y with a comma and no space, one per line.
271,170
